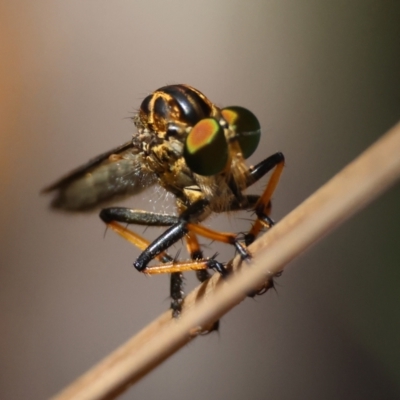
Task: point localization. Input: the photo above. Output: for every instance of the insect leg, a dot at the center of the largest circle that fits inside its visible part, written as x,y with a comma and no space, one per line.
224,237
111,215
196,254
263,206
202,275
156,249
177,294
137,217
177,232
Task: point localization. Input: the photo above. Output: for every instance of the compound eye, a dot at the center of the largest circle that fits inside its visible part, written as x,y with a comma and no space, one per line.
246,126
206,149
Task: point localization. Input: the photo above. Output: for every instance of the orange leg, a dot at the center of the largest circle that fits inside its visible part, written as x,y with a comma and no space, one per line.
263,205
169,264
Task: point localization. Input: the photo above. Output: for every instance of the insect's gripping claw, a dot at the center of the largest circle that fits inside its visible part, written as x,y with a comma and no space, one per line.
212,263
249,239
240,248
266,221
269,284
263,215
214,327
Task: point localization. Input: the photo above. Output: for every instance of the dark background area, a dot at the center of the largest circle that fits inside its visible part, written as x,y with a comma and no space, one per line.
323,78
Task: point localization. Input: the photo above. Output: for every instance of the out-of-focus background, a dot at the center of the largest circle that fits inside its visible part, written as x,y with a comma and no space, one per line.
323,78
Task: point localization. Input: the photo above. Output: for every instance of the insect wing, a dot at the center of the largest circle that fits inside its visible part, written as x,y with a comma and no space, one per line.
114,174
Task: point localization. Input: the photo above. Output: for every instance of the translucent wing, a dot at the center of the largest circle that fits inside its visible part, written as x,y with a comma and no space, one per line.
114,174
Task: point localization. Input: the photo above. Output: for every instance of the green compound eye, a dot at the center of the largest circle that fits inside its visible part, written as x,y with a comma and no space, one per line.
247,128
206,150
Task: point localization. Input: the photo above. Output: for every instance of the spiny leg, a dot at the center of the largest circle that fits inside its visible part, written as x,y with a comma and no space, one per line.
177,294
175,268
197,263
196,254
202,275
263,205
260,204
180,229
169,265
176,281
182,225
111,215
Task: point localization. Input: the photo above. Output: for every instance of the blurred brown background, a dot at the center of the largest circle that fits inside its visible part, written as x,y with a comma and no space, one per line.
322,76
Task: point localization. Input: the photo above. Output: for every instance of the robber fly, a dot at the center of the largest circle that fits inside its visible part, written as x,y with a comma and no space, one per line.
196,151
